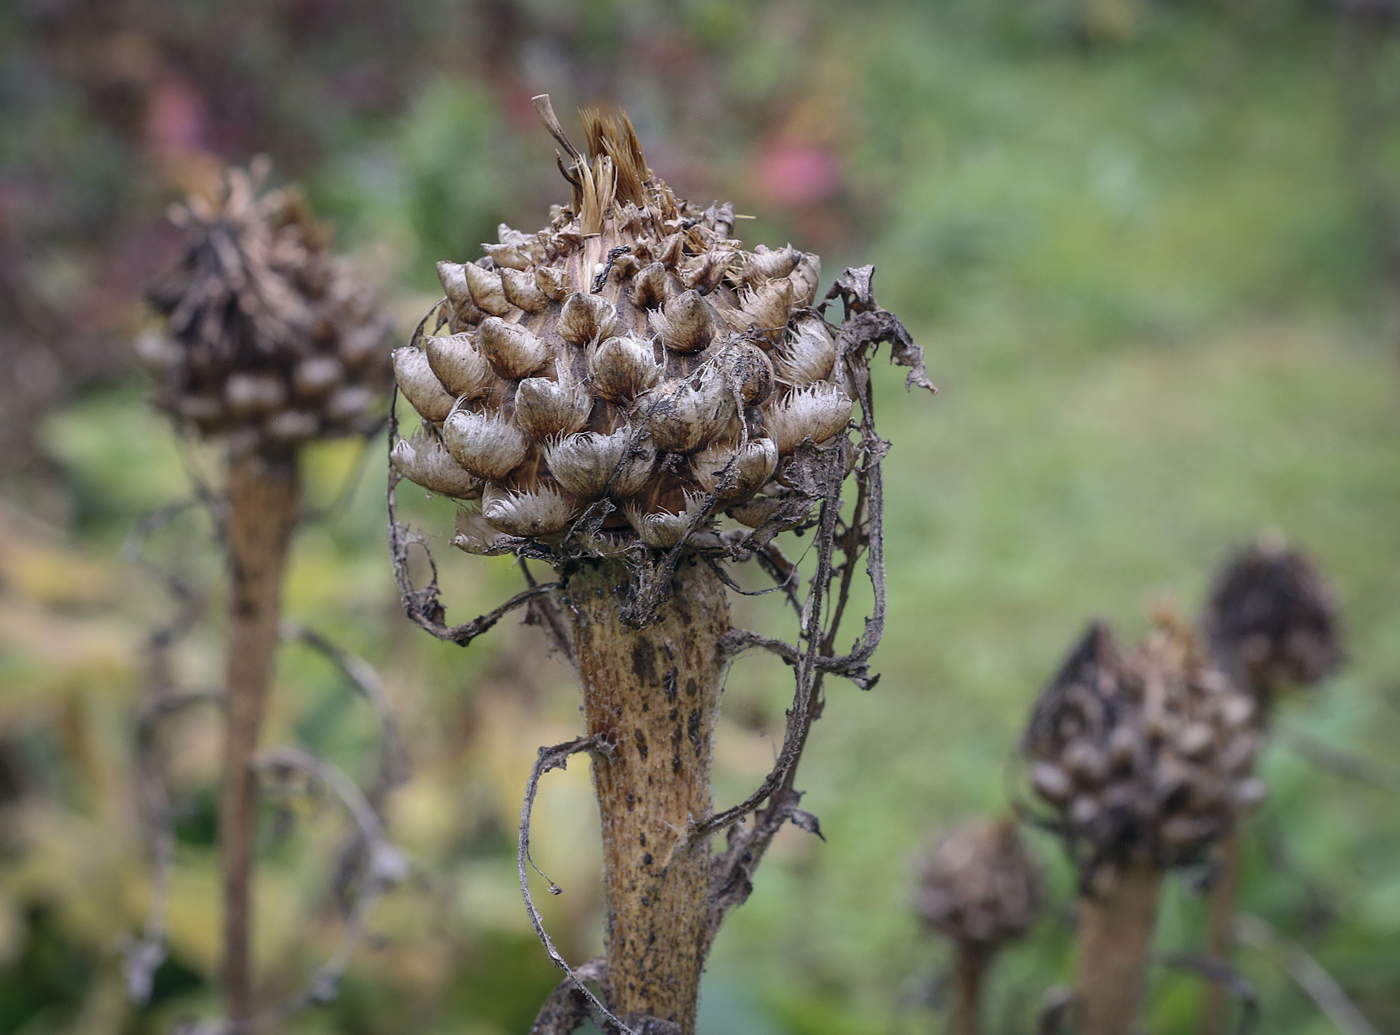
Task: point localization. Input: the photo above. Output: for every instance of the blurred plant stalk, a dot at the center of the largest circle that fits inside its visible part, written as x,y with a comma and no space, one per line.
270,343
1273,624
263,503
1116,920
981,888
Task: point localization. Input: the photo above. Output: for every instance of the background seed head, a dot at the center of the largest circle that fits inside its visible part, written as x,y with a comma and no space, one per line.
636,319
269,337
1146,755
1272,620
979,885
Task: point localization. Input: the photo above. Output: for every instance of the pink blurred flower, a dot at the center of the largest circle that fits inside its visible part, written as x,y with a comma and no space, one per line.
795,174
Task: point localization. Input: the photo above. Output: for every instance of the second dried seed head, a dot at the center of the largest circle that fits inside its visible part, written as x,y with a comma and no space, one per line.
270,339
979,885
1146,756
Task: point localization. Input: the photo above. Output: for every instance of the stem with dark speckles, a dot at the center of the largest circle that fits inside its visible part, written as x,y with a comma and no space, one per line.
652,696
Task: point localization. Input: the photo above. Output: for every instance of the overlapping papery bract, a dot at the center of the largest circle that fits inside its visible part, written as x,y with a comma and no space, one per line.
269,337
1148,755
633,351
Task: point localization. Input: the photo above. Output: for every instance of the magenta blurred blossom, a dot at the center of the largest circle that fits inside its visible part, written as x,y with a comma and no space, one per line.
796,174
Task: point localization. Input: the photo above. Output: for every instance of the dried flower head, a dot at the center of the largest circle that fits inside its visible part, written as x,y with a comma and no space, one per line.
979,885
1272,619
271,338
632,356
1146,756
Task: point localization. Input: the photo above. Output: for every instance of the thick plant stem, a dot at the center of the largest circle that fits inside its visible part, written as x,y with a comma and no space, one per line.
1222,929
969,967
262,510
651,697
1115,936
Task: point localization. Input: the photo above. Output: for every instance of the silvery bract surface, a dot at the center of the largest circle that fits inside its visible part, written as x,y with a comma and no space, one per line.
634,352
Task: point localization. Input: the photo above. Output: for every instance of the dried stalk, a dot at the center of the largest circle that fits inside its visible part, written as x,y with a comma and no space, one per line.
1116,919
652,697
1220,932
969,969
263,498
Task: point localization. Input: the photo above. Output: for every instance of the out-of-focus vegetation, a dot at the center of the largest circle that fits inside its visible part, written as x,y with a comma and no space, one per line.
1144,245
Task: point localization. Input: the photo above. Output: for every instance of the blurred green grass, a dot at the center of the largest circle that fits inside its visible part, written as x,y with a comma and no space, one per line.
1146,285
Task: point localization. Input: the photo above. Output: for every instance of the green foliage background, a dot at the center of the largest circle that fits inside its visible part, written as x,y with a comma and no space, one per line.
1143,246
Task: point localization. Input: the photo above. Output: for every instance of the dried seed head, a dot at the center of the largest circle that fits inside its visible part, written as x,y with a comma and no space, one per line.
527,514
979,885
254,395
735,473
522,290
748,368
768,307
816,412
547,409
1133,752
764,264
684,323
512,350
586,318
420,385
705,272
474,534
805,280
684,416
623,368
633,320
484,444
264,318
487,291
661,528
649,287
425,461
459,366
453,276
552,282
516,251
317,376
590,464
809,353
1272,620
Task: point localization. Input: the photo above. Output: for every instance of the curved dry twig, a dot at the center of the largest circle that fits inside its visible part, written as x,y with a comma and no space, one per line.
556,757
1322,988
393,758
387,867
1225,976
567,1009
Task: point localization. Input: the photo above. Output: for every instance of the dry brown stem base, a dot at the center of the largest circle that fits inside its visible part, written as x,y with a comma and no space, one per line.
262,511
1222,930
650,699
970,968
1115,935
